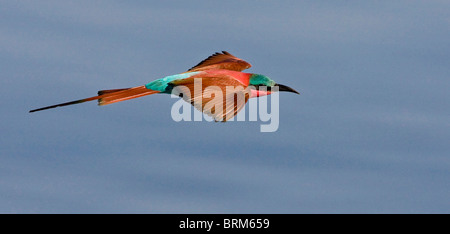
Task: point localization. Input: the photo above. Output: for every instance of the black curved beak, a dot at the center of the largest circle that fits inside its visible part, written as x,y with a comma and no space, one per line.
286,88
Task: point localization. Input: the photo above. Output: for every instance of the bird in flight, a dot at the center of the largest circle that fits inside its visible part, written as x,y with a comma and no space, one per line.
219,75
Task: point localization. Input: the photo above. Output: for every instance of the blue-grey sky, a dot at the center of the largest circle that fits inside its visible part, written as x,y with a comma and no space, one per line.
370,132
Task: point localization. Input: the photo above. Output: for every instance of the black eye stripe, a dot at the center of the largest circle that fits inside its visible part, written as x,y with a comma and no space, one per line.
262,87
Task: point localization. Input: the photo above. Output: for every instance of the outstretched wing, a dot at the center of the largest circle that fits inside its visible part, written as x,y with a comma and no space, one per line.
219,97
222,60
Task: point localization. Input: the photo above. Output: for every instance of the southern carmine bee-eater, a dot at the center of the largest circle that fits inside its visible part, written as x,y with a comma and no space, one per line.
199,86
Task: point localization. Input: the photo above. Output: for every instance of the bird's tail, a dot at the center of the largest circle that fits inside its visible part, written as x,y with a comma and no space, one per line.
106,97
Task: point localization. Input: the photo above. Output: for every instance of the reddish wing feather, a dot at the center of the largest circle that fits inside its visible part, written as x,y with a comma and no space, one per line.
222,60
234,95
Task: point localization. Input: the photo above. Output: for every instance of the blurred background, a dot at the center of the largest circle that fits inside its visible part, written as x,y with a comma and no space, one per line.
369,133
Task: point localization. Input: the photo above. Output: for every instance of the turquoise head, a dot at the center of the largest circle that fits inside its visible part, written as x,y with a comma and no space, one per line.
258,80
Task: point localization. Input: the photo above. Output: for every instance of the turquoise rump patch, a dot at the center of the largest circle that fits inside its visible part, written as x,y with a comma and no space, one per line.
161,84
